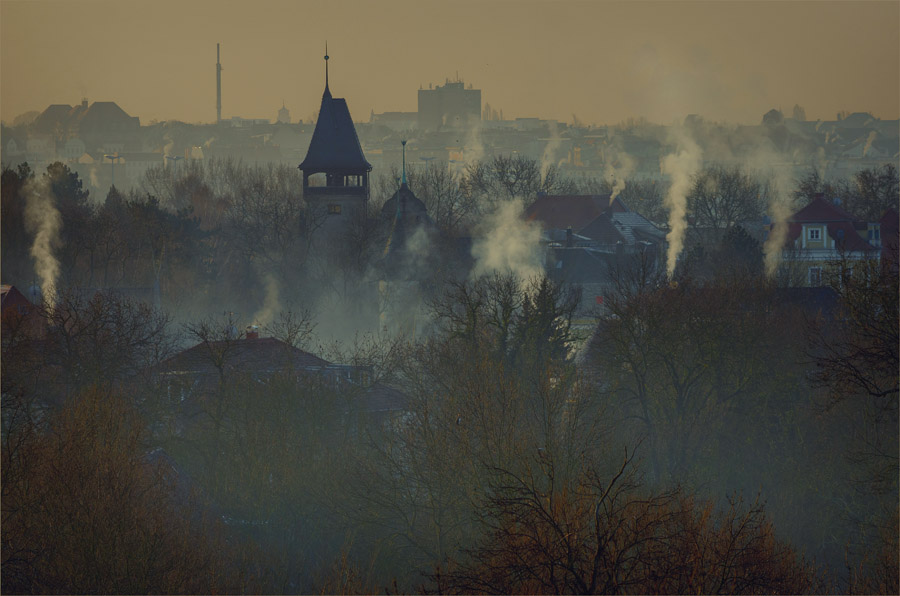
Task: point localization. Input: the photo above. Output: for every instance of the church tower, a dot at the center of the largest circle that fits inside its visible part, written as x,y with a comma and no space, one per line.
335,171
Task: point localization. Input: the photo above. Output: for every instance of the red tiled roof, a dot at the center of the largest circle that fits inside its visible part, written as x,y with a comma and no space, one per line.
820,211
12,297
563,211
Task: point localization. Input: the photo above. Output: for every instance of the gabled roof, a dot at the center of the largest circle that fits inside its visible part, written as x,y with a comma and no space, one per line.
564,211
821,211
247,355
54,114
334,144
10,296
104,116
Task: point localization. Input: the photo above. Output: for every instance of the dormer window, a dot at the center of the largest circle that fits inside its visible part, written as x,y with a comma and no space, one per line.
815,234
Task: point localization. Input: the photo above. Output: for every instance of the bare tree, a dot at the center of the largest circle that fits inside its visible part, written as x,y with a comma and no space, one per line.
722,197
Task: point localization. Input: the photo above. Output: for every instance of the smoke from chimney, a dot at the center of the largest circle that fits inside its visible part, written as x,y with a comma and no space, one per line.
681,167
42,219
548,158
508,243
617,171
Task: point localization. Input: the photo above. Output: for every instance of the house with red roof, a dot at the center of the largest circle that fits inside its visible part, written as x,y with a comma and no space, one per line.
822,236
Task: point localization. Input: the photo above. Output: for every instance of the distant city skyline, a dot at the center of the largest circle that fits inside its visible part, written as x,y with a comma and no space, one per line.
602,62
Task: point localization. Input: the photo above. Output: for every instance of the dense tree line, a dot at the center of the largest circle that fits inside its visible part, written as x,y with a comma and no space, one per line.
712,435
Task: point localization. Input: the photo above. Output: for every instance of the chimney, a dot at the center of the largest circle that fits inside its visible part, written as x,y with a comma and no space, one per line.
569,242
252,332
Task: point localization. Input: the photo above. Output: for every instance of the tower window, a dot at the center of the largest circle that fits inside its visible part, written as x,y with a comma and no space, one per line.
334,209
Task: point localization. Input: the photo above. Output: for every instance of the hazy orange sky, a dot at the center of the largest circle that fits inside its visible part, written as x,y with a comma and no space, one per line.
602,61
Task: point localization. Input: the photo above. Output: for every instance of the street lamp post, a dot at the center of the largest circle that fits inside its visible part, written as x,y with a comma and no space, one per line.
113,159
175,165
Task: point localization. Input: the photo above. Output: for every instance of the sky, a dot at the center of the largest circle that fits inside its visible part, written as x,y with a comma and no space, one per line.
600,61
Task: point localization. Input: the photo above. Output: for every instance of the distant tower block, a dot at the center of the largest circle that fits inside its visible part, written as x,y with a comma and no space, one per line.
218,87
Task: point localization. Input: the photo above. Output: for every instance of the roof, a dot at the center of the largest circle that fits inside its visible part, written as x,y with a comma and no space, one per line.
603,230
57,113
12,297
821,211
106,116
409,204
564,211
334,144
248,355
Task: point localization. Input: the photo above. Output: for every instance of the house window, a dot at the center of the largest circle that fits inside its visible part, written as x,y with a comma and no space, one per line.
815,277
814,234
334,209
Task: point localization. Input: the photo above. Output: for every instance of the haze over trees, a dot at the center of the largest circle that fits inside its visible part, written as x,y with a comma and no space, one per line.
713,433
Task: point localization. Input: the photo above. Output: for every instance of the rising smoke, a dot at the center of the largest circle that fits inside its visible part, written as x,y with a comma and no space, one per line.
43,221
473,150
617,170
765,161
271,303
508,243
680,167
548,158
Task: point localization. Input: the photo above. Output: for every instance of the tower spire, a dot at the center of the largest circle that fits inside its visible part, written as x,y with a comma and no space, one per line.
326,67
403,179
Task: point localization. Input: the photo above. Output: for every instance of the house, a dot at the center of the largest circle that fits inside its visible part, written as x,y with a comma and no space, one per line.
192,377
588,238
560,212
20,316
821,236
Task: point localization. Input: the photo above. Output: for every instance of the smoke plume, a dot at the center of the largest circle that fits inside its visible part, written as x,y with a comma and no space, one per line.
548,158
473,150
779,212
43,221
868,145
680,167
508,243
271,303
617,171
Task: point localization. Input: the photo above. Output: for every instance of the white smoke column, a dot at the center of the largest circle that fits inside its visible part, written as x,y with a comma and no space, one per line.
271,303
508,243
473,149
167,149
680,167
779,212
618,175
548,158
868,146
821,161
774,166
43,221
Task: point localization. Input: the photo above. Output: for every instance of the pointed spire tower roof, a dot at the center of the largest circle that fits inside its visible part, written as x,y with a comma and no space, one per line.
334,145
